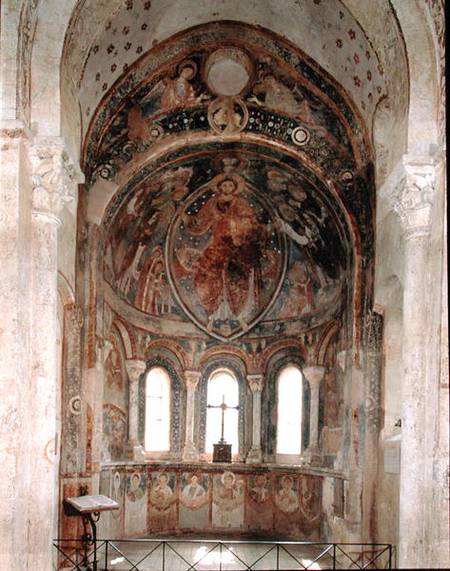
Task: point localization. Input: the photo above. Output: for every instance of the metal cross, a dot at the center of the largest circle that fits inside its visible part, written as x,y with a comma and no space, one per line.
224,407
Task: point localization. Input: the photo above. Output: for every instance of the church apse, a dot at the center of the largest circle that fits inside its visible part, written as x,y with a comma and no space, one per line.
239,228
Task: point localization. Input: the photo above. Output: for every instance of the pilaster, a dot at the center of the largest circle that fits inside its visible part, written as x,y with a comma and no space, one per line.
412,201
191,379
314,376
256,384
15,301
54,181
135,368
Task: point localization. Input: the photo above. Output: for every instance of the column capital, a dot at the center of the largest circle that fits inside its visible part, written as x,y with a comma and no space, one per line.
412,198
135,368
314,374
54,176
256,383
191,378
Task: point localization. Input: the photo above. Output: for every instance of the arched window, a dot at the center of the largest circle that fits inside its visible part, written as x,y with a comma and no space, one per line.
289,398
223,388
157,410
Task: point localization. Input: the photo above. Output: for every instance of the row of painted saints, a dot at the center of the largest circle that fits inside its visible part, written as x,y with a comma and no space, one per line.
226,114
235,501
224,257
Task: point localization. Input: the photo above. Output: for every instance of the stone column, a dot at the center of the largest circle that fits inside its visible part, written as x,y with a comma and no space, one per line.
15,300
190,452
53,183
412,202
256,383
135,368
341,361
314,375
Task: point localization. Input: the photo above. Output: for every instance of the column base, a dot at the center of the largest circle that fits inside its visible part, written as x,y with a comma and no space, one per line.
190,453
339,461
254,456
138,452
312,456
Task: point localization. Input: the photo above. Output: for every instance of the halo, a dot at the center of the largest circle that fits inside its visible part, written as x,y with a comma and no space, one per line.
238,181
187,63
287,478
222,477
134,474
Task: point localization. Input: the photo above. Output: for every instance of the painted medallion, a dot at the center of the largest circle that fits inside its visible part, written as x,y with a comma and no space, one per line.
226,257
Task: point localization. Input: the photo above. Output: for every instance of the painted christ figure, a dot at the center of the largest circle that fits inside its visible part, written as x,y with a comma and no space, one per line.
228,271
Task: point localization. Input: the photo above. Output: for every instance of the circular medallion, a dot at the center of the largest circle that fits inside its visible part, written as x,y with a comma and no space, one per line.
227,115
300,136
75,405
228,71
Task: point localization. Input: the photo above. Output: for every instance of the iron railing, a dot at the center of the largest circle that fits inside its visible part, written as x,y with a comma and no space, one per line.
213,555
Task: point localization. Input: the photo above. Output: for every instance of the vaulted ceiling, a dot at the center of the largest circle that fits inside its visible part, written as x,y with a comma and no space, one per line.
240,191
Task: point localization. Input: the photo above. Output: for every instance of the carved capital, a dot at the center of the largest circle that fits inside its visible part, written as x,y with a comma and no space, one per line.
135,368
191,379
53,177
413,196
256,383
314,374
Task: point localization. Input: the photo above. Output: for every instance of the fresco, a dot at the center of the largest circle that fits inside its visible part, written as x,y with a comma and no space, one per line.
259,508
173,93
286,503
226,241
194,501
114,369
228,501
114,433
117,493
310,505
136,503
260,501
227,257
162,501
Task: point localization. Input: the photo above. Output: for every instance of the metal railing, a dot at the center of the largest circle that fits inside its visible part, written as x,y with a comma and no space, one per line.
213,555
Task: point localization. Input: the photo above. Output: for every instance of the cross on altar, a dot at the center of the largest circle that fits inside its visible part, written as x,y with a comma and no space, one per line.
222,450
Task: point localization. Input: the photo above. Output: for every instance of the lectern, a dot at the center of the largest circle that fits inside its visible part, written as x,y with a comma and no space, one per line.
89,509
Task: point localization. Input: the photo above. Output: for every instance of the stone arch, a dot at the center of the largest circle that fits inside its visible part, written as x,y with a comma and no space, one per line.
65,291
226,351
423,100
162,357
223,360
170,346
46,103
325,342
128,342
291,346
288,355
